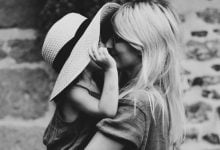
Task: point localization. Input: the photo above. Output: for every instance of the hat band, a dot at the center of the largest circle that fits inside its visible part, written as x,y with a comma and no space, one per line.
65,51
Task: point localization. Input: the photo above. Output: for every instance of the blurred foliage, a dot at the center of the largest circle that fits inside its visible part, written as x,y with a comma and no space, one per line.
55,9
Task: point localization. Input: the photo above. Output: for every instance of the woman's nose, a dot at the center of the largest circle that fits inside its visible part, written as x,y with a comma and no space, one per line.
109,43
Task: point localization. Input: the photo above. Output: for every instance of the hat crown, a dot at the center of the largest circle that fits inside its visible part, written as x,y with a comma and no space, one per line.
59,34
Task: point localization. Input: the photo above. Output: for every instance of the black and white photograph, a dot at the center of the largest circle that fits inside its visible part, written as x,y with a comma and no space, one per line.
109,74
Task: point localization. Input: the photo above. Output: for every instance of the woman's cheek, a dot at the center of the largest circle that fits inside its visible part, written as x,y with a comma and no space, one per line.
117,60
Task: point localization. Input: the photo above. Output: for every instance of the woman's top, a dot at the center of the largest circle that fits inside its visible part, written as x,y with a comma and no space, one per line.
134,124
62,135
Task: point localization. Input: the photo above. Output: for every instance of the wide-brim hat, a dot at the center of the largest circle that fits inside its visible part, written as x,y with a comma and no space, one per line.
68,31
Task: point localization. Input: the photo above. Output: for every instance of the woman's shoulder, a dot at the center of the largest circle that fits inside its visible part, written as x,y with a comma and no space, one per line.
139,96
142,99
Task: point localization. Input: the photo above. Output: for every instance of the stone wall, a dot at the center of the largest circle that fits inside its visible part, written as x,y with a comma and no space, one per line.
201,26
26,80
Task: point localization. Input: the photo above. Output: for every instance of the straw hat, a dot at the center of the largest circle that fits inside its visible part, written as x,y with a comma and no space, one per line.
67,42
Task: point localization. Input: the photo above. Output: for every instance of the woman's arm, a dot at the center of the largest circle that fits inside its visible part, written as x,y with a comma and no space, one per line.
125,131
102,142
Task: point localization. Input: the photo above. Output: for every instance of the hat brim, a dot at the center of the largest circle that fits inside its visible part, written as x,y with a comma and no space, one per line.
79,57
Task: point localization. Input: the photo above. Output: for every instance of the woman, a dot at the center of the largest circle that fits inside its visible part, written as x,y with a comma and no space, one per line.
145,47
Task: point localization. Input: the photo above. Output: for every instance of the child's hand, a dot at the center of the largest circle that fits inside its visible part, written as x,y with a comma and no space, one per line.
102,57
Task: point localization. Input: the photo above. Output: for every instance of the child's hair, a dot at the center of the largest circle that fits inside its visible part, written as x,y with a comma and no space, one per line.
151,27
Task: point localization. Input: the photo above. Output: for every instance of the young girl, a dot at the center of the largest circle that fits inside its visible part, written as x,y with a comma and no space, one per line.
91,96
82,94
81,101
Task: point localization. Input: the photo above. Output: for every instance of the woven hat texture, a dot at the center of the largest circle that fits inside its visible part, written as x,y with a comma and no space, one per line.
64,30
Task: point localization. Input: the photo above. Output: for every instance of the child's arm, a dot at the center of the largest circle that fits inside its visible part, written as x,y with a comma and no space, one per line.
110,92
108,103
109,97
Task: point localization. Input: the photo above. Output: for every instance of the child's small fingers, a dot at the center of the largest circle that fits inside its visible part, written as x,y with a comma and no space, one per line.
105,51
101,53
94,46
95,53
91,54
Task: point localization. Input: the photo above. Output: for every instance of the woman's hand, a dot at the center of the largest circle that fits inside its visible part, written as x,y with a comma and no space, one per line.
102,57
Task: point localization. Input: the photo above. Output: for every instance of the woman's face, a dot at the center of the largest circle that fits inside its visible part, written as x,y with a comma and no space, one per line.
125,55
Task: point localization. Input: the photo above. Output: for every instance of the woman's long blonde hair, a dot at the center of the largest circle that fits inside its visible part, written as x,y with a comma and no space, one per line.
152,28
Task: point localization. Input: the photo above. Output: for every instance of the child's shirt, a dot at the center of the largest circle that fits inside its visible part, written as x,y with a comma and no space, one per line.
61,135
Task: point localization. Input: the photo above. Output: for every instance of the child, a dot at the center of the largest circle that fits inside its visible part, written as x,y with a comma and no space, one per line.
80,94
91,95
